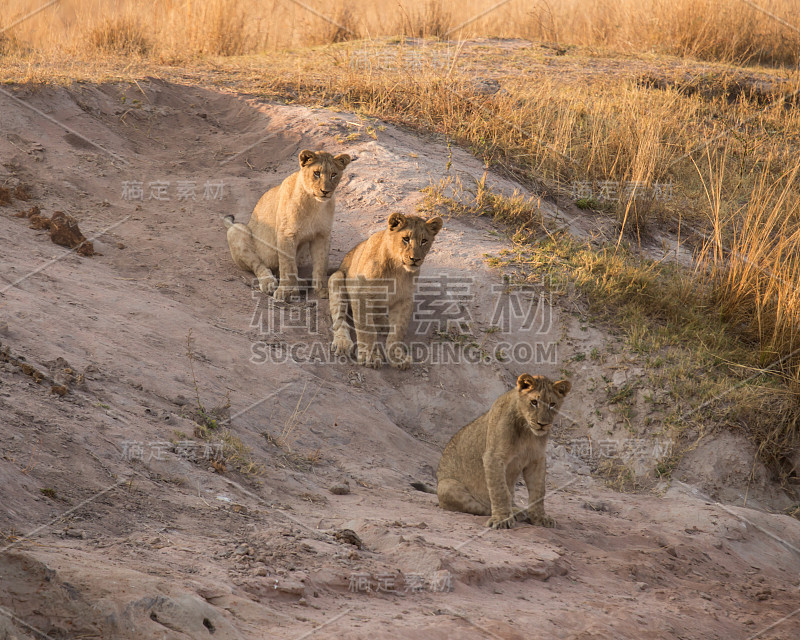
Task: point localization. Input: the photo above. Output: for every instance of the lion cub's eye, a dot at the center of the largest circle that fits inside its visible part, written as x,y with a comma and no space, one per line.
316,174
424,241
534,403
406,239
552,405
333,175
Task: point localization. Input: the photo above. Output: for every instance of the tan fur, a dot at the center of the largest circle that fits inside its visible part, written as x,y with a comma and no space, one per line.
377,280
482,462
297,212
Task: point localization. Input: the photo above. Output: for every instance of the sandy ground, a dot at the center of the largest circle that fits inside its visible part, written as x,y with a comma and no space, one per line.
115,524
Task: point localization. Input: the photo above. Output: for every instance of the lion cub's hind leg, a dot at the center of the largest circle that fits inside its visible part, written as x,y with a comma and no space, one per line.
396,350
368,318
244,254
454,496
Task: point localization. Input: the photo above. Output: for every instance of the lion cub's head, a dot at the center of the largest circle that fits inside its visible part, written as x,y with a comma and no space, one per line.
410,238
321,172
539,400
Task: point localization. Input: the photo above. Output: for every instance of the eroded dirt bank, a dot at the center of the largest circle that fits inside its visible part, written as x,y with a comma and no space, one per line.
132,532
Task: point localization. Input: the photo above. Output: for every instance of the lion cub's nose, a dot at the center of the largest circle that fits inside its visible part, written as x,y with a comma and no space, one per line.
324,193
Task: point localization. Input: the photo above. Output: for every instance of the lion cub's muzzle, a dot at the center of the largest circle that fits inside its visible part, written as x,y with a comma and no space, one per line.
540,429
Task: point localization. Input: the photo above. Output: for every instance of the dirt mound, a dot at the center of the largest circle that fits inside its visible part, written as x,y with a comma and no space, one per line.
116,522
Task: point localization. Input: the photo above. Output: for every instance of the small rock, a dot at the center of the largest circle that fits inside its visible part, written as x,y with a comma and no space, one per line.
65,232
241,550
340,488
595,506
291,587
260,571
302,602
642,586
348,536
74,533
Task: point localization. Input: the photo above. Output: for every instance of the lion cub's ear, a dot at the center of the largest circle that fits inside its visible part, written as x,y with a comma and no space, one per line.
562,387
397,221
306,156
526,381
435,225
342,160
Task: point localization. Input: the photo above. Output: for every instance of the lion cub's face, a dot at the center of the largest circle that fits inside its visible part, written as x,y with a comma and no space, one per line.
321,172
539,400
411,238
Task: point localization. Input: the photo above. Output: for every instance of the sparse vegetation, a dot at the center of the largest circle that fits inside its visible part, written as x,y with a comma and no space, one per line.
209,426
670,315
618,475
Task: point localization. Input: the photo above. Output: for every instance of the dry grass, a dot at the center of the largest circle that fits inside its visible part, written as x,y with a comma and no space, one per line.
297,417
728,355
752,261
708,29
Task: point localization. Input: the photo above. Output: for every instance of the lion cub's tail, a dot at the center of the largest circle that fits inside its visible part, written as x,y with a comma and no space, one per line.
229,221
421,486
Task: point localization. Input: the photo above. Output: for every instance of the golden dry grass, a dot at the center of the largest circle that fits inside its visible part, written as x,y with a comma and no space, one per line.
729,30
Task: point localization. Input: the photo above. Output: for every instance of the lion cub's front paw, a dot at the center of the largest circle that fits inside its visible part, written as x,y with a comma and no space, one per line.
541,520
522,516
342,345
500,522
322,293
267,284
285,293
399,359
370,359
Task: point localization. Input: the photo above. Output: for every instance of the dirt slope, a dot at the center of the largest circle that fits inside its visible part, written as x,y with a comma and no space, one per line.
115,523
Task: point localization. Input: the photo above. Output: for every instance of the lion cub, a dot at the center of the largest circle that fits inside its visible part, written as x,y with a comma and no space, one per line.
377,279
297,212
482,462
